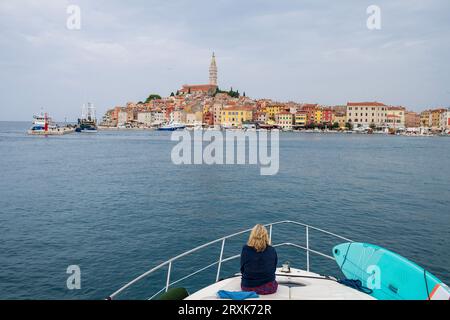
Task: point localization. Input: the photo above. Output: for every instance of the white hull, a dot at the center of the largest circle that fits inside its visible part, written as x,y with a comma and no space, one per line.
297,285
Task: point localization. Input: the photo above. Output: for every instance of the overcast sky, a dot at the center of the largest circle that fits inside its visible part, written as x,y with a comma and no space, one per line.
304,50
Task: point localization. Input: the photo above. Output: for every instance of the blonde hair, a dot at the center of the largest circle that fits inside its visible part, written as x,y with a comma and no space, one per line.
259,238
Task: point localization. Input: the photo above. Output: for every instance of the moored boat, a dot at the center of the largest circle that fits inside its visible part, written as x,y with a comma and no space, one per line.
88,122
43,125
172,127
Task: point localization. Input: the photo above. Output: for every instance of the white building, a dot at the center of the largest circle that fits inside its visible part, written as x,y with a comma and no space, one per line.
158,118
284,120
364,114
122,118
444,122
293,109
145,118
178,116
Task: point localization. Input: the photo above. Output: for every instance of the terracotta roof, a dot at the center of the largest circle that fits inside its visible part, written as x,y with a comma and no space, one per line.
366,104
186,87
396,108
237,108
439,110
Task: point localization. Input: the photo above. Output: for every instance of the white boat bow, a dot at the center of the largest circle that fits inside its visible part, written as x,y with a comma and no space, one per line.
298,284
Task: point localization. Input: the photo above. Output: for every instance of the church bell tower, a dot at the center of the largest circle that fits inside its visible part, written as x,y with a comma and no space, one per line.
213,71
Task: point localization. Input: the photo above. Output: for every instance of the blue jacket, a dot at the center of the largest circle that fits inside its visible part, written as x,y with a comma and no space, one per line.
258,268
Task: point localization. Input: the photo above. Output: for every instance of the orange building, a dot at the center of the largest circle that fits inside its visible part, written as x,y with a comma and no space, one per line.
310,110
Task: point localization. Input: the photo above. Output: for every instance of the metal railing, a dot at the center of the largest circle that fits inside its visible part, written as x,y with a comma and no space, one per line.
221,260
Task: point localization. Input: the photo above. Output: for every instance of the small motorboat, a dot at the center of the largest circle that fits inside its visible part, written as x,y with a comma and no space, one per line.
172,127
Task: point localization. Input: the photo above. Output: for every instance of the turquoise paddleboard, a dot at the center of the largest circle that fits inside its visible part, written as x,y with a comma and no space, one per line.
389,275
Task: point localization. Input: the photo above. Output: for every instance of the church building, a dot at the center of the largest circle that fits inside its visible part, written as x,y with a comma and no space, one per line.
204,88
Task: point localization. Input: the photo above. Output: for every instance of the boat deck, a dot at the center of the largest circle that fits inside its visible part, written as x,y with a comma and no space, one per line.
296,285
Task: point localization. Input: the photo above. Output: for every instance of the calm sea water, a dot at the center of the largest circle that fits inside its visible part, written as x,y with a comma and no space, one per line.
114,204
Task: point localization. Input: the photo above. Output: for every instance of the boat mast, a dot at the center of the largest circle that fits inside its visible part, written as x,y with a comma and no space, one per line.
91,112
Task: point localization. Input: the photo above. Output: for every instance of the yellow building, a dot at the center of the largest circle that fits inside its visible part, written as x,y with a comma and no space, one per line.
234,116
425,118
206,108
301,119
395,117
436,118
318,116
340,118
272,110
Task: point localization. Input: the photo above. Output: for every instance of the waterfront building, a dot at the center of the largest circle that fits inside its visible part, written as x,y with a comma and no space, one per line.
145,118
365,114
284,120
425,119
208,118
412,119
106,120
445,121
310,110
318,116
159,117
273,109
194,118
327,115
115,114
395,117
436,118
122,118
234,116
178,116
260,117
301,119
340,118
132,111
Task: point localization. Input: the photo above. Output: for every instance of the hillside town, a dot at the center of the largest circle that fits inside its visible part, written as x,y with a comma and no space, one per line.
207,106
